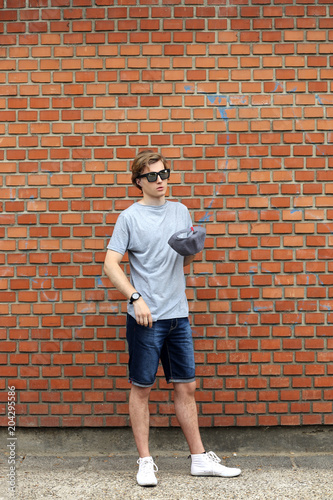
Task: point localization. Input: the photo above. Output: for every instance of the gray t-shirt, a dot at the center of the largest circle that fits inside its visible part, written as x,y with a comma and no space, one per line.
156,269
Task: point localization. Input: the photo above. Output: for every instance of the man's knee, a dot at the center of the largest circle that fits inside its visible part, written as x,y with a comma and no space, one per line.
139,392
185,389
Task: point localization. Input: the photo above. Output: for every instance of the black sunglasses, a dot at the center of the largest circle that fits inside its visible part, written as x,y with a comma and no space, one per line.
152,176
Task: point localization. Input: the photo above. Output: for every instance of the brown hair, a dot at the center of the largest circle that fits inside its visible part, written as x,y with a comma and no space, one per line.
143,160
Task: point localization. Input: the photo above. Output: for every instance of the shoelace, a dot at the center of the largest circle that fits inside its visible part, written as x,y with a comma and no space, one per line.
212,456
146,463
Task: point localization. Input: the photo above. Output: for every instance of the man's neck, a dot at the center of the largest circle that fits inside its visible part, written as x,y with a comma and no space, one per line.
153,202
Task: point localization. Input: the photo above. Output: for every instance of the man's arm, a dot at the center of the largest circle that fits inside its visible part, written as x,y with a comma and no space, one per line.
117,276
188,259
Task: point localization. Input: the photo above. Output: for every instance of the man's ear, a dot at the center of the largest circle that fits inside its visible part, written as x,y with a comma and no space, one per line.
138,182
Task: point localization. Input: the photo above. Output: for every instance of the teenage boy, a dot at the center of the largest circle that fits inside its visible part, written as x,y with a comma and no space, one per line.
157,321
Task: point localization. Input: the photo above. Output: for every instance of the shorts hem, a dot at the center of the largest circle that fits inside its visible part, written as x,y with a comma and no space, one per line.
133,382
181,380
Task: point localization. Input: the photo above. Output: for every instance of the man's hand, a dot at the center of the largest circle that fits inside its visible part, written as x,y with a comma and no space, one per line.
142,313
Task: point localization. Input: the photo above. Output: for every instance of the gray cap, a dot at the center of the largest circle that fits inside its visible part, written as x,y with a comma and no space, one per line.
188,241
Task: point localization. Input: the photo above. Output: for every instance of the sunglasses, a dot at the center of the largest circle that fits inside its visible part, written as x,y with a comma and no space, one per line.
152,176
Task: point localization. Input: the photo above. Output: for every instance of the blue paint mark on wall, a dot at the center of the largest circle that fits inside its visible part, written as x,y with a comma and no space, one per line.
223,104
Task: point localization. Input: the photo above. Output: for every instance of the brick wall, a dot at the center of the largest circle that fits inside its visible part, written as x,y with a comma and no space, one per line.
238,96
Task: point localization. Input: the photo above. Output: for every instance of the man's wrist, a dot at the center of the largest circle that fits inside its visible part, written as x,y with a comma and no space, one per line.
135,296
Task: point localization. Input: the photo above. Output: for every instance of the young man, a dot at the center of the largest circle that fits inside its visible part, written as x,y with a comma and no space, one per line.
157,320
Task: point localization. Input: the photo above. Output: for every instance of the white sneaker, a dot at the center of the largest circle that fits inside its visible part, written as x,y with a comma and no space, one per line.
208,464
146,475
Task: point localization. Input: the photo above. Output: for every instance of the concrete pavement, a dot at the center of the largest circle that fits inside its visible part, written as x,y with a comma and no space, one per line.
276,463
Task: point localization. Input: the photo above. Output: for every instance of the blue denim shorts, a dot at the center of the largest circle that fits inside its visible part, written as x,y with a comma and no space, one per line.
169,340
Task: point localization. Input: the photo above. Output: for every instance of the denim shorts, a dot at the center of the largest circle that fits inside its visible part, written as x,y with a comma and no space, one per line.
168,340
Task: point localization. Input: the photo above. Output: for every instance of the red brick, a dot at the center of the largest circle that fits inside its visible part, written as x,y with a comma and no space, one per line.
253,186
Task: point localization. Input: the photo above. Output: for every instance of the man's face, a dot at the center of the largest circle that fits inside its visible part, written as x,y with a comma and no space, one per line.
155,189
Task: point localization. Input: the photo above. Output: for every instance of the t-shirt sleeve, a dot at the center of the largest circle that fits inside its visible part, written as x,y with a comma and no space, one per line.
188,218
120,237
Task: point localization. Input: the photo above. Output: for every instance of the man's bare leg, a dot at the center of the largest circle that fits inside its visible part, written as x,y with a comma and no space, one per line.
187,415
202,464
139,414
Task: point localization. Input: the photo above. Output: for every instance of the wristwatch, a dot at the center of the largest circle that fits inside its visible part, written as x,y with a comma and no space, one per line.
135,296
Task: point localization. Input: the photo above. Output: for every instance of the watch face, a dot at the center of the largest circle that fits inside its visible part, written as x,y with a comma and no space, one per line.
135,296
